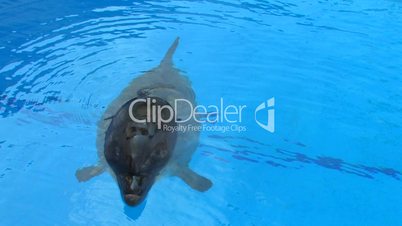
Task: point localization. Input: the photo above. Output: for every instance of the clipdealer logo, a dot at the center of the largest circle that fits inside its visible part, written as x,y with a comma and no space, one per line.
269,107
220,117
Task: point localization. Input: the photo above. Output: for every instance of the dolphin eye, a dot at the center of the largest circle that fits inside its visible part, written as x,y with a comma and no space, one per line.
130,131
162,153
144,131
160,150
112,152
116,158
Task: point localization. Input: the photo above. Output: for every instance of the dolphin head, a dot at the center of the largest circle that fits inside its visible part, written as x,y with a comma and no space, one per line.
137,151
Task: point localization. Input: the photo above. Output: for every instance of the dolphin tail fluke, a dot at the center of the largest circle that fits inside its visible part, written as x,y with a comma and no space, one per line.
167,60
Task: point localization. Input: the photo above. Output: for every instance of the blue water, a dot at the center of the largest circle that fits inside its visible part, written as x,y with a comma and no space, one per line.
334,68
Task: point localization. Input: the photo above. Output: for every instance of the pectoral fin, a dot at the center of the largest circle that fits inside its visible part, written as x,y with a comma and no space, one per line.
86,173
193,179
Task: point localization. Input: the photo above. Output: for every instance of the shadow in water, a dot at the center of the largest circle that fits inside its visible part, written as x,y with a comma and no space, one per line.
134,212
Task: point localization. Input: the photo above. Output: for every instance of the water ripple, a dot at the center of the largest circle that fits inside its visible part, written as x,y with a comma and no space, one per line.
333,67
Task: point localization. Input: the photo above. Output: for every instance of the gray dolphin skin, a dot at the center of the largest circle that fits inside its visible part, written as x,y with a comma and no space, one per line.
137,154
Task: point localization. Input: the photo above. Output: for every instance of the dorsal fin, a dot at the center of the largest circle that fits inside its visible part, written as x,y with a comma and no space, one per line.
167,60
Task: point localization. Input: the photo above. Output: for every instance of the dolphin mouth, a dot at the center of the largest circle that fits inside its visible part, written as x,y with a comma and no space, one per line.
134,188
132,199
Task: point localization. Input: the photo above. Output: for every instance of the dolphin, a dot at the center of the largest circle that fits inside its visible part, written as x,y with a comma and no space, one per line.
137,154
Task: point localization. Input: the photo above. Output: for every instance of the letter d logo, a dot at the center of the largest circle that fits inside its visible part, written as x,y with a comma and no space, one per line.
269,105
